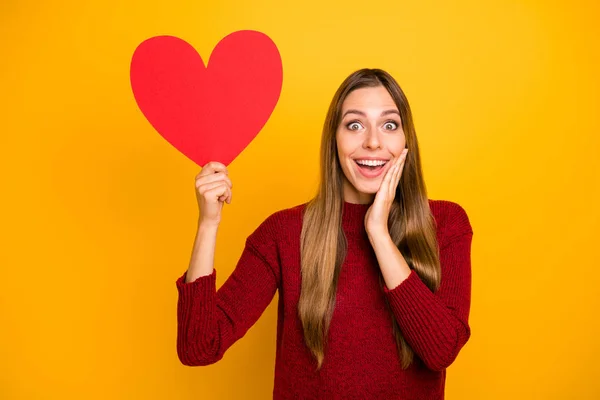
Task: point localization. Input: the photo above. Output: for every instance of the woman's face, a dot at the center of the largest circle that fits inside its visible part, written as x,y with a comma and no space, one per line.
370,132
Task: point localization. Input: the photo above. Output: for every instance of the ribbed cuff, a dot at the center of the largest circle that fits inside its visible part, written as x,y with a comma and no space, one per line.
202,288
408,294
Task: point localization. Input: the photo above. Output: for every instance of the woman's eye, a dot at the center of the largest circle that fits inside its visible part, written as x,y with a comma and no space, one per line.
351,124
391,123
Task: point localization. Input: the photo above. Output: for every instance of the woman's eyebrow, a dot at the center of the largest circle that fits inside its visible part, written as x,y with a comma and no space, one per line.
353,111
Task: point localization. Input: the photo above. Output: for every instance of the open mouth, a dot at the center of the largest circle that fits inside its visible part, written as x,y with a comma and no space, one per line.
371,168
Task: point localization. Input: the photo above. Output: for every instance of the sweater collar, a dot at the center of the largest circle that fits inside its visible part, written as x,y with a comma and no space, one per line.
353,217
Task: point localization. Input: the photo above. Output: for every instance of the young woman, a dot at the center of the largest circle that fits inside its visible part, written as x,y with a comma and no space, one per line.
374,278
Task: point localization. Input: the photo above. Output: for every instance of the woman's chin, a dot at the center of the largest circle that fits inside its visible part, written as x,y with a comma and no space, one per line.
369,189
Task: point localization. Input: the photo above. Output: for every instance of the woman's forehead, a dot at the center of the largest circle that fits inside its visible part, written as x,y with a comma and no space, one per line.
369,98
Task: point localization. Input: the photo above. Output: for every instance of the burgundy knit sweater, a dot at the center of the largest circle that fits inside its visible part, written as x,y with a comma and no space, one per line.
361,358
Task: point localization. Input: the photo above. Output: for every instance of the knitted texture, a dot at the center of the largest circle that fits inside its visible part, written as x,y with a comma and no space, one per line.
361,358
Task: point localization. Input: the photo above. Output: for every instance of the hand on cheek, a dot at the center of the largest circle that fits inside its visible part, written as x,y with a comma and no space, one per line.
377,215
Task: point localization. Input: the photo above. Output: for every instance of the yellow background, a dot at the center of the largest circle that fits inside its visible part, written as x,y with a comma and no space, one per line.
99,212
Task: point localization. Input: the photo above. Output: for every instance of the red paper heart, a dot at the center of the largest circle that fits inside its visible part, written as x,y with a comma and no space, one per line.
208,113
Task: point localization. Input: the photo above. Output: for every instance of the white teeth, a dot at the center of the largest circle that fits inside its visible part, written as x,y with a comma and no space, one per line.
371,163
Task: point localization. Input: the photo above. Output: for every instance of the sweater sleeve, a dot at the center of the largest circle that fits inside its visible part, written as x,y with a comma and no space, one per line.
435,325
210,321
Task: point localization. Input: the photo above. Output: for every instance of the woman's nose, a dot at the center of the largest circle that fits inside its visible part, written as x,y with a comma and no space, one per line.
372,139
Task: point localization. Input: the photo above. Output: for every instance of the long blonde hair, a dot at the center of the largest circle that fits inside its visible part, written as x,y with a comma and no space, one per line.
323,242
